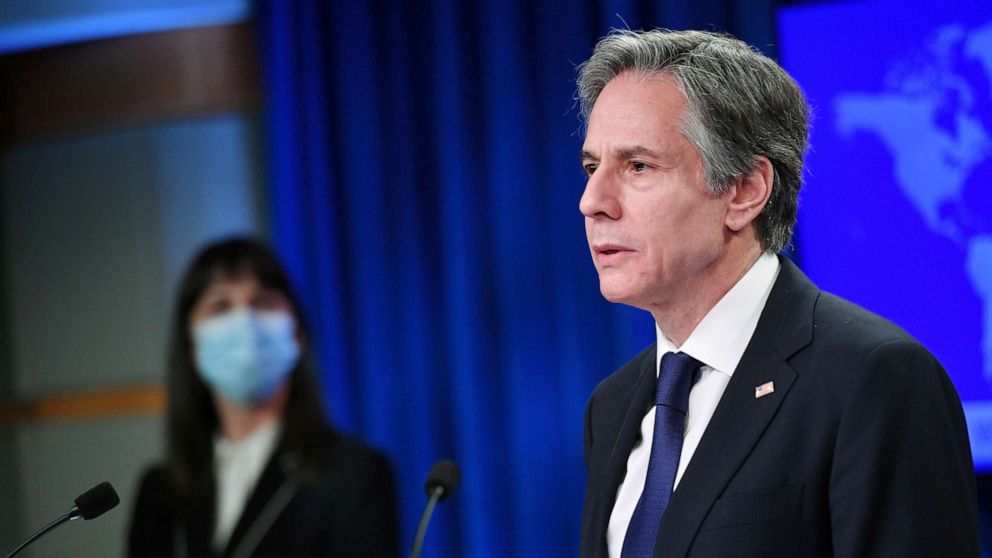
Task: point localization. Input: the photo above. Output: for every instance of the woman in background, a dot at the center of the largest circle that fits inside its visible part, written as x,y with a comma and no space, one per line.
253,468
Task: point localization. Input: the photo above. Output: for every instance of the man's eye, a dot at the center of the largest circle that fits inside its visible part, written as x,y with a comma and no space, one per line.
638,166
589,168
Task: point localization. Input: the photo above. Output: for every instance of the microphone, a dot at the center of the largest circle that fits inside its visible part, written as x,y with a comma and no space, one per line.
95,501
441,483
90,504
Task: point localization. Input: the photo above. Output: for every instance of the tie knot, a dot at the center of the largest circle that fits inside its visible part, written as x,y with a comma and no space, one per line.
678,371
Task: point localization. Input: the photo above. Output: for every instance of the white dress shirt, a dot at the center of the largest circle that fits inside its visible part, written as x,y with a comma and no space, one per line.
238,465
718,342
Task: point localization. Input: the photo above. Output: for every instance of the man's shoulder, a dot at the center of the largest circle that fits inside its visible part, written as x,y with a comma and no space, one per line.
852,344
797,304
842,321
625,377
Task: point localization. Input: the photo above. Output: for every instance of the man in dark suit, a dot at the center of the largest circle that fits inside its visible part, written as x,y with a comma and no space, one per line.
770,418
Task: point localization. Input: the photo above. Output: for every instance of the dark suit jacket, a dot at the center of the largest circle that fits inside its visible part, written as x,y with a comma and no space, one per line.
861,450
347,510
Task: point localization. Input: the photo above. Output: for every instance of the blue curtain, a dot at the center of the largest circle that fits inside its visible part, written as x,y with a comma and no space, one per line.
423,163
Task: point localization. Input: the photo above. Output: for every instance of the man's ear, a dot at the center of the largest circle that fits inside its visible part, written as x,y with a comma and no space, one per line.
749,194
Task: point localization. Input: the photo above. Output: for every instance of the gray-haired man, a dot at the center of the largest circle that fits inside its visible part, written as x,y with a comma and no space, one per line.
787,422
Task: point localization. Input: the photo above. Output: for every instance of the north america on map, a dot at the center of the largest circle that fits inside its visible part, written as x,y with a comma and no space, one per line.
934,117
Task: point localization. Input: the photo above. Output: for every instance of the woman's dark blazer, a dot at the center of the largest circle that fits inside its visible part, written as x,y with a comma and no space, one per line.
347,509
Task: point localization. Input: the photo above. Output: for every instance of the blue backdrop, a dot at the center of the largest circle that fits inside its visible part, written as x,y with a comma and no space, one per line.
900,175
425,182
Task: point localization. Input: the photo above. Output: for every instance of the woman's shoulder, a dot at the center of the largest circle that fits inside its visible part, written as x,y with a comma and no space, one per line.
150,529
154,484
354,448
350,457
153,476
329,450
340,459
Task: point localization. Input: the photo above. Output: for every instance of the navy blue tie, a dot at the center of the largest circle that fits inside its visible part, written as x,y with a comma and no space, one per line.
671,399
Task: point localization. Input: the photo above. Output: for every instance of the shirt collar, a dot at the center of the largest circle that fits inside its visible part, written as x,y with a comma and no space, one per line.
724,332
259,443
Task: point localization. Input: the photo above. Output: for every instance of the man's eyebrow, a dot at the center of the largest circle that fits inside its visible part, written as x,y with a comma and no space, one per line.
621,153
628,152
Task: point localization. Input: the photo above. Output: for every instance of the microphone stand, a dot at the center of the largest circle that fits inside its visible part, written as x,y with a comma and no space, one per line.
418,541
70,515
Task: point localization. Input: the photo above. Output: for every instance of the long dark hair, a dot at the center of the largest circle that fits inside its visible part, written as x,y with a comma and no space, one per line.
191,420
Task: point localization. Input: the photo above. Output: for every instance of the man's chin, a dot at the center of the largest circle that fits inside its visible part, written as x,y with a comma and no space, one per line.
616,294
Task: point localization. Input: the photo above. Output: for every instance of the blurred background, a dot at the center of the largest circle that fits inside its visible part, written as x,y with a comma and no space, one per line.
415,165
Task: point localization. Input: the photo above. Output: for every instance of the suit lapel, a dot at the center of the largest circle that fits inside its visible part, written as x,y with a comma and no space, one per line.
271,479
637,402
198,530
740,418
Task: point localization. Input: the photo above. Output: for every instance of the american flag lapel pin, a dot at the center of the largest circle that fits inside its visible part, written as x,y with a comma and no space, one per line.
764,389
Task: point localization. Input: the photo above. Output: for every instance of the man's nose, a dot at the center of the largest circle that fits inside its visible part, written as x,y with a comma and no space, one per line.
600,196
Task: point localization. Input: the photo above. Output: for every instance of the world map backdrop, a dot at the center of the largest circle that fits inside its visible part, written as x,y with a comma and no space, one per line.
896,214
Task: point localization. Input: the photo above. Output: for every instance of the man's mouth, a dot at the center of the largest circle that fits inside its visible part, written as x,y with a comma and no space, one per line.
610,253
609,248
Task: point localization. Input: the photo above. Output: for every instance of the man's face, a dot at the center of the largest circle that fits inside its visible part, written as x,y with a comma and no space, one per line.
655,232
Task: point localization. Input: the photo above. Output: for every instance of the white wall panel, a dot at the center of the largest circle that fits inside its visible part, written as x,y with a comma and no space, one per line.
61,460
96,231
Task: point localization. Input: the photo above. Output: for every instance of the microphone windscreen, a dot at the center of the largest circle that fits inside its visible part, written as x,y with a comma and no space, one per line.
444,474
97,500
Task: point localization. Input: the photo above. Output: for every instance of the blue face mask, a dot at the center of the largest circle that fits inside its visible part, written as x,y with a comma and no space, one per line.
246,354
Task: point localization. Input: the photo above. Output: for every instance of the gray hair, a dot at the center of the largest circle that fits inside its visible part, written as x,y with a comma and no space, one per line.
741,104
